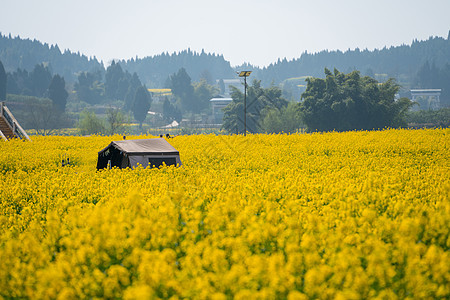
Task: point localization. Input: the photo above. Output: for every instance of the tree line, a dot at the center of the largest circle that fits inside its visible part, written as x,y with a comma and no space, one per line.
340,102
401,62
115,87
18,53
423,64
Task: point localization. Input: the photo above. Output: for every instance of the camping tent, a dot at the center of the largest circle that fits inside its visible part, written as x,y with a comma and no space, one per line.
130,153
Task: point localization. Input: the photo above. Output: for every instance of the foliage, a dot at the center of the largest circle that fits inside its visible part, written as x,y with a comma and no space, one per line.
203,92
437,118
142,103
354,215
40,79
193,97
2,82
90,88
115,120
89,123
183,90
25,54
348,101
258,100
432,77
154,70
35,83
57,93
171,112
287,119
114,82
36,113
121,85
402,61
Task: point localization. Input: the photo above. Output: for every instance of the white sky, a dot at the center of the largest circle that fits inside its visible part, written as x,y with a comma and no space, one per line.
254,31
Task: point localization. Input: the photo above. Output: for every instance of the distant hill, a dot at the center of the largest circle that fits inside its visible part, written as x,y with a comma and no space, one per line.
154,70
402,62
25,54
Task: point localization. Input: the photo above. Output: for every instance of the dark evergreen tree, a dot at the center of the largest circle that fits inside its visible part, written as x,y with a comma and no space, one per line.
182,89
57,93
2,83
89,87
142,103
133,85
40,79
114,76
19,83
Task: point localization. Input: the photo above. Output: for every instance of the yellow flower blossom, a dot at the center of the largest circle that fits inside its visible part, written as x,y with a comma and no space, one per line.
352,215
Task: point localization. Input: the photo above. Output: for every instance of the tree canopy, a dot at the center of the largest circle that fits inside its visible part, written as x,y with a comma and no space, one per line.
182,89
89,87
259,100
2,82
142,103
348,101
34,83
57,93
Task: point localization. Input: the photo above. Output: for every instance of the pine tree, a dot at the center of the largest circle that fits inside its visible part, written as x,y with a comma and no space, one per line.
142,102
40,79
182,89
57,93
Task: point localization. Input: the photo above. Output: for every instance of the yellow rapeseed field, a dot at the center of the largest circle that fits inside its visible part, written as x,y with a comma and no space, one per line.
353,215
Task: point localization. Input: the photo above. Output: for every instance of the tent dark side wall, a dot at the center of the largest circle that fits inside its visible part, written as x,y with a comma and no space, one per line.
145,152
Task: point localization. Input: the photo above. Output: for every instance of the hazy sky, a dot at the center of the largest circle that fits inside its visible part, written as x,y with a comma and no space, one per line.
254,31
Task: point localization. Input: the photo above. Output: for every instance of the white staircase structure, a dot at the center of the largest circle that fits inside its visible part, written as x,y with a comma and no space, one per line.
9,127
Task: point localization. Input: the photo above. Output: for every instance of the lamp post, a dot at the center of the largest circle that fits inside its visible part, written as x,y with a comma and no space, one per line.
245,74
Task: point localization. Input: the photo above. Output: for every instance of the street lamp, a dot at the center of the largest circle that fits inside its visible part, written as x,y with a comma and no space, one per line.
245,74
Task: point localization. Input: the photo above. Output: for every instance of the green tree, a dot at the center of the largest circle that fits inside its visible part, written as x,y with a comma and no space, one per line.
57,93
203,92
114,81
142,103
40,79
183,90
40,114
258,101
287,119
115,120
134,84
2,83
348,101
89,123
89,87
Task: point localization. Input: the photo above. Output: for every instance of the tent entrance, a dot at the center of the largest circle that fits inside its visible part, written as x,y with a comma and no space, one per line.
158,161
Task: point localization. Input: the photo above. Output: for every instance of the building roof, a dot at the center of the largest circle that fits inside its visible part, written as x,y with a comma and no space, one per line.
143,146
426,90
221,100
